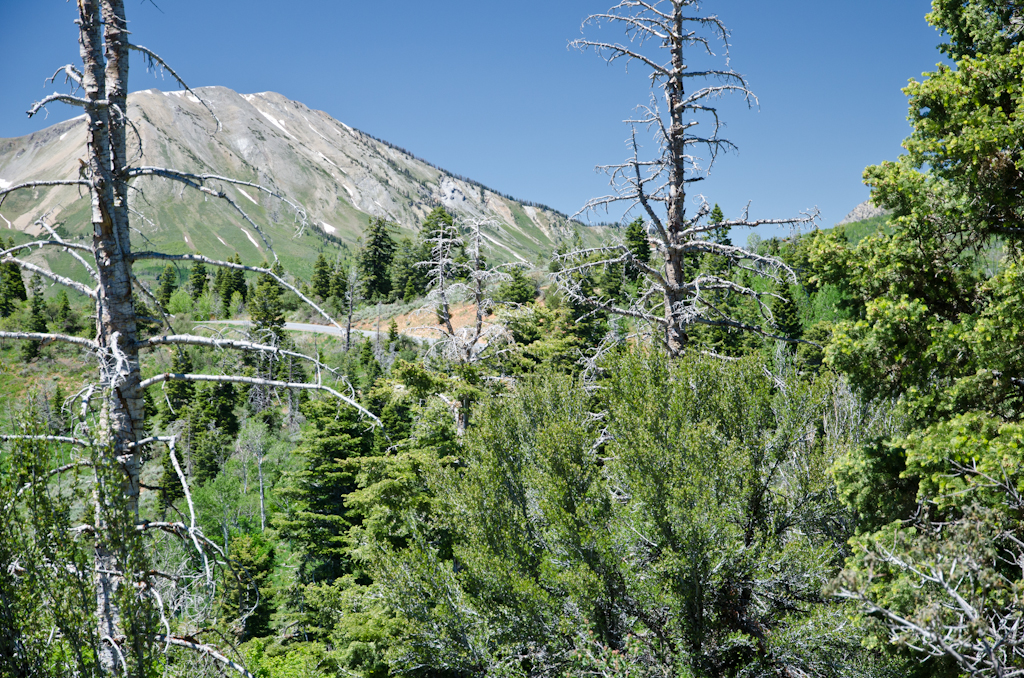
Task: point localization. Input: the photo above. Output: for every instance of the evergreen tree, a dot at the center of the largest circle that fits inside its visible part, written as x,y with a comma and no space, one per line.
719,235
371,368
339,284
231,281
611,280
375,259
787,315
6,300
179,393
321,282
393,332
197,280
407,278
265,308
636,241
36,319
170,485
66,319
10,277
168,283
249,592
518,290
317,520
218,285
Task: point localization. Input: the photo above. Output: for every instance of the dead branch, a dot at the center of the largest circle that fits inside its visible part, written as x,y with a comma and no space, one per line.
256,381
67,282
139,256
41,184
155,59
40,336
208,650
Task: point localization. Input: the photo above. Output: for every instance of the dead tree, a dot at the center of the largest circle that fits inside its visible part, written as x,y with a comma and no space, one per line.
114,434
687,131
452,282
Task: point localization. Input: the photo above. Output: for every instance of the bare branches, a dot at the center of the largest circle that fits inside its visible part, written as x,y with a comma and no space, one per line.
139,256
194,340
255,381
205,649
659,34
41,184
198,182
46,338
71,74
67,282
155,59
64,99
70,248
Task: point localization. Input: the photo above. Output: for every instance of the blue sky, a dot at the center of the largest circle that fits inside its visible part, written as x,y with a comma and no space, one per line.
489,90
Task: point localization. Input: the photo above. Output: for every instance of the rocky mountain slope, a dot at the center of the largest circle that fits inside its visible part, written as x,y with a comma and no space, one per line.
339,175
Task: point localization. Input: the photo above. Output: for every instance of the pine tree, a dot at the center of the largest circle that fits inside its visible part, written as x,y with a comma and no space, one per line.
250,596
66,319
636,241
518,290
371,368
11,284
265,308
179,394
197,280
168,283
230,281
321,282
719,235
339,284
375,260
393,332
787,315
36,319
317,520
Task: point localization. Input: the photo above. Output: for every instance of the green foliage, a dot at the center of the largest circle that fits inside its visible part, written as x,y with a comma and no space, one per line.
374,261
636,241
265,309
229,283
197,280
178,394
719,235
321,281
168,283
36,321
339,284
317,520
66,319
12,285
663,535
248,594
519,290
408,279
180,302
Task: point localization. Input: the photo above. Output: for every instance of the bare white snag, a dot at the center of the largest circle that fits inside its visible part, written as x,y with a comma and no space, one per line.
657,187
115,441
479,340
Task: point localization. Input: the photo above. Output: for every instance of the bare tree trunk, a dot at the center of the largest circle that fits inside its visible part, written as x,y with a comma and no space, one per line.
122,414
658,34
263,499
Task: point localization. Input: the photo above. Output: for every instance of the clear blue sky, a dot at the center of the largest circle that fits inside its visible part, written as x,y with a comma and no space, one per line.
489,90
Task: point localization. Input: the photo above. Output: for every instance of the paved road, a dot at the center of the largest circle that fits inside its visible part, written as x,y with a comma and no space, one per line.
309,327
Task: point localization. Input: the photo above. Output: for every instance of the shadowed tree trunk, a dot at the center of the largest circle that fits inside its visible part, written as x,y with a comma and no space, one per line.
128,609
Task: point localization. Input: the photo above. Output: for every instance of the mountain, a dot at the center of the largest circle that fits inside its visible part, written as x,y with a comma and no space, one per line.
863,212
341,176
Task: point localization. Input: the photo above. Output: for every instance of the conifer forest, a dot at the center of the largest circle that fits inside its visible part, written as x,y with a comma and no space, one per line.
662,448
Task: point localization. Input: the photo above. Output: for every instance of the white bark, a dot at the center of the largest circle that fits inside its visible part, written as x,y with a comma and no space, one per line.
657,187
